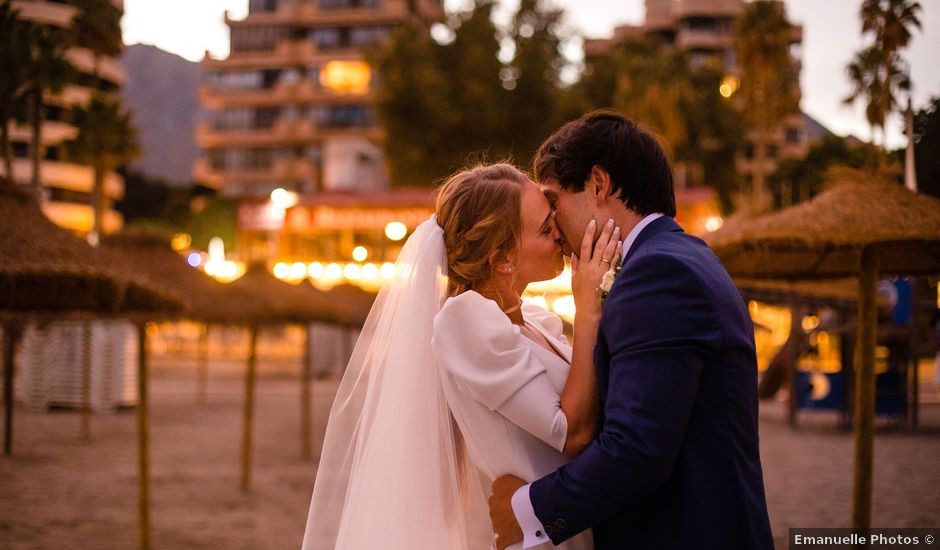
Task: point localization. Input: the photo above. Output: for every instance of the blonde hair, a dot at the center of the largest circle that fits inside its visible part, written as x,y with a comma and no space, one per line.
479,212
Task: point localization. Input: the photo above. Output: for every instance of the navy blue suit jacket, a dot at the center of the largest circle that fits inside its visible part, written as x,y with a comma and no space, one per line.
676,463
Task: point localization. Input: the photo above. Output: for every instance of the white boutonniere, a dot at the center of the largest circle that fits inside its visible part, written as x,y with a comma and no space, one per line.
608,281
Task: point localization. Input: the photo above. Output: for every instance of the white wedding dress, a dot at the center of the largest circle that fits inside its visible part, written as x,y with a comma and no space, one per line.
417,432
504,388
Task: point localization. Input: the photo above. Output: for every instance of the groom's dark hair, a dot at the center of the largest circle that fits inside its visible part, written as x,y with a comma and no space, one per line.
639,169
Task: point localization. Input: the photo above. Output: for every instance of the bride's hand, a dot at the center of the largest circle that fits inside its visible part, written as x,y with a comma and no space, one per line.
589,266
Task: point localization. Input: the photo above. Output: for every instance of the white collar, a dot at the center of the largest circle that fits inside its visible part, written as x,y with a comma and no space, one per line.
635,232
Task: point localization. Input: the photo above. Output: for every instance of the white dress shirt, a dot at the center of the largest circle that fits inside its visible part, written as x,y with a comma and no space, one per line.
532,530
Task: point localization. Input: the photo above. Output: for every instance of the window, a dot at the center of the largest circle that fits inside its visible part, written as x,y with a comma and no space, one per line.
237,80
265,117
328,38
342,116
360,36
57,194
241,159
700,24
792,135
339,4
258,38
259,6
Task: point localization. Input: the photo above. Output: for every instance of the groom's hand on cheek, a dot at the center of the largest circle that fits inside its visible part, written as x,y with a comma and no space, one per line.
504,521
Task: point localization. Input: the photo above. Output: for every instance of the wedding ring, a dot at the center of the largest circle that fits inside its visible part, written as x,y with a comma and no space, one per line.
605,260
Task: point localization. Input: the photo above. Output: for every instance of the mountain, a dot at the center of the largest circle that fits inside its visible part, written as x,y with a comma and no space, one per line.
162,91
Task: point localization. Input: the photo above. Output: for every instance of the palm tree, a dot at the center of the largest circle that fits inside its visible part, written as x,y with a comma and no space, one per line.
97,26
891,22
48,72
877,85
13,73
106,139
769,85
877,72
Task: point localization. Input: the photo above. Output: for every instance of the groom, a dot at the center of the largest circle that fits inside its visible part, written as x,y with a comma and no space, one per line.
676,463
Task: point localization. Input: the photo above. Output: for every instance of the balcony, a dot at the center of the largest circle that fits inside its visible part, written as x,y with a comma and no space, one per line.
287,53
108,67
280,171
310,14
688,39
49,13
75,177
53,133
79,218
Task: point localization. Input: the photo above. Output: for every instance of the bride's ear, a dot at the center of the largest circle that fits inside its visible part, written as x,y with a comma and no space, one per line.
504,265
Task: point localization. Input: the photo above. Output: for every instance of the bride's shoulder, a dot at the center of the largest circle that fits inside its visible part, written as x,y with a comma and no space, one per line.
472,307
470,317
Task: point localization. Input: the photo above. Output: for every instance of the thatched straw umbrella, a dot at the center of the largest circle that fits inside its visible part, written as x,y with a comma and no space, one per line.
862,226
151,259
46,272
274,302
837,293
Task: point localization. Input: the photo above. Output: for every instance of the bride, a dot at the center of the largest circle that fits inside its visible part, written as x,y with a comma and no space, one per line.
455,380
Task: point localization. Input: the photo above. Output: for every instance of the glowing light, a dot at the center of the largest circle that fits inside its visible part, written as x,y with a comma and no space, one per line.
216,250
360,253
396,231
224,270
298,270
333,272
194,259
351,77
315,270
181,241
810,322
564,306
352,272
729,85
281,270
370,272
387,271
713,223
284,198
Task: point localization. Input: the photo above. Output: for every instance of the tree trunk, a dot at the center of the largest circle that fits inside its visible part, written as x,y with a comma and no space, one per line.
759,182
37,112
5,144
143,438
98,198
865,390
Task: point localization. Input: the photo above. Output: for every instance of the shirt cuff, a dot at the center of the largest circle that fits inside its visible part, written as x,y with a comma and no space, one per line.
532,531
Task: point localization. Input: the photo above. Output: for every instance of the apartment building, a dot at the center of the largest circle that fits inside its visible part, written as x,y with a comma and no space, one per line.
68,185
291,106
704,28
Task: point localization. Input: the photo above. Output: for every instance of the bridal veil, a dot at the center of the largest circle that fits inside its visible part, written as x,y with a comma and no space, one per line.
390,474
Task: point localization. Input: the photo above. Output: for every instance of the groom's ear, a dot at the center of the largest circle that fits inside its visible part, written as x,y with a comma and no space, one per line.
602,185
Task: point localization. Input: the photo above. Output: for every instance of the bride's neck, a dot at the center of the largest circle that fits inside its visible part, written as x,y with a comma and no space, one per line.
508,299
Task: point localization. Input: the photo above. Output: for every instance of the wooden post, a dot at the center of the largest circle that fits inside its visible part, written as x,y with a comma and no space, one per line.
87,339
305,397
202,368
915,391
11,335
865,390
143,437
249,407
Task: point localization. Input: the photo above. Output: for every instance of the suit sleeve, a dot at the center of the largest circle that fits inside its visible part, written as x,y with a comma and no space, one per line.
659,327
